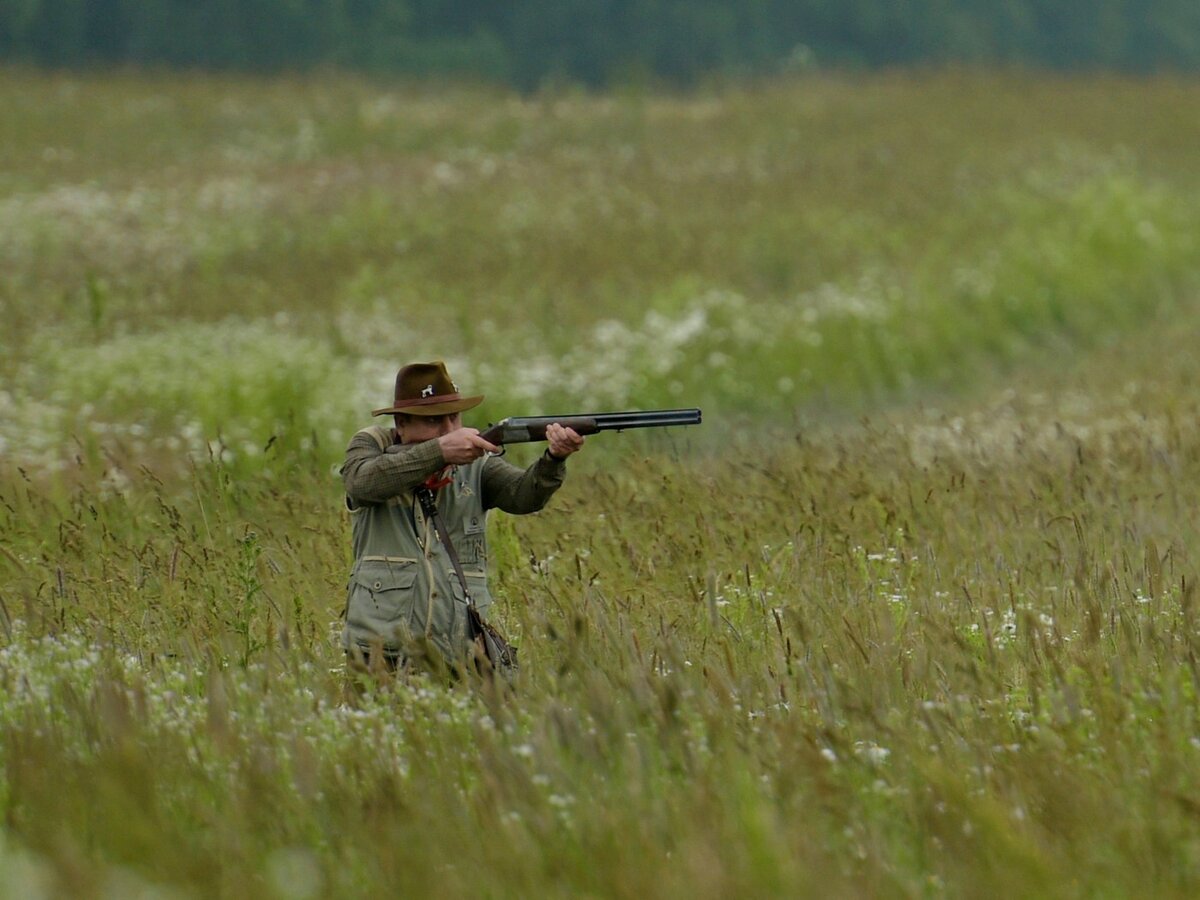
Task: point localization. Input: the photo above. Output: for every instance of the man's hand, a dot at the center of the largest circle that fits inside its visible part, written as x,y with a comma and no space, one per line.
464,445
563,441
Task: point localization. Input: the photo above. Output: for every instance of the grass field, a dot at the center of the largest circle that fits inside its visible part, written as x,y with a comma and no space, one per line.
914,613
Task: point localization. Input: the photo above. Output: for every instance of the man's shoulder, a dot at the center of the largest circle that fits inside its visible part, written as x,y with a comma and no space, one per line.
373,434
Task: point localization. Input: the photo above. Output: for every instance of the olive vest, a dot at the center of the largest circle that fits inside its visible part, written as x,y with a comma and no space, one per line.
403,587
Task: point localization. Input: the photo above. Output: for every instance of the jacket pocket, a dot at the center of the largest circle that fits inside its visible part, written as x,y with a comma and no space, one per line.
476,584
472,551
384,602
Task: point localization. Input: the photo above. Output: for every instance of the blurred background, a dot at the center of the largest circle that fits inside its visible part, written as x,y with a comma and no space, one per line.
600,42
911,614
224,225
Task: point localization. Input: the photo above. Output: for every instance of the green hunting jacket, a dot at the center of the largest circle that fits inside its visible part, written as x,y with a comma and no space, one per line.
402,587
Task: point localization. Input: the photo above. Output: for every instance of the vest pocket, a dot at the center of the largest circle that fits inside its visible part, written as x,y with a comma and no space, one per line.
476,584
383,602
472,551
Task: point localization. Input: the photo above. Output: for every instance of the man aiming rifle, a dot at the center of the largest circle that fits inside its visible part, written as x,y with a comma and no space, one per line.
418,495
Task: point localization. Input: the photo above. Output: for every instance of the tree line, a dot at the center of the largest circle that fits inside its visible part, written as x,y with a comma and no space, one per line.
599,42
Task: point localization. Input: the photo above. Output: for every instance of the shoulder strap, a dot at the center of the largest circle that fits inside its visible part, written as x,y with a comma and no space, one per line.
492,652
429,508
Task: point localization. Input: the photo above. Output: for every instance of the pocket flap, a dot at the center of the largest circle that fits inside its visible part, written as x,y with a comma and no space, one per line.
386,575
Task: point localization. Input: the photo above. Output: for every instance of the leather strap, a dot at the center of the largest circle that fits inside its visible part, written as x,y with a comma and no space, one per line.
493,652
429,507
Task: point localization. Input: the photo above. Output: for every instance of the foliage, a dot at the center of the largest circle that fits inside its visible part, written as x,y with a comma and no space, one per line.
598,42
921,658
911,614
250,277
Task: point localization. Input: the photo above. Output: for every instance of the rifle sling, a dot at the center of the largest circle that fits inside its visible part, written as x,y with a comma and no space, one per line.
429,508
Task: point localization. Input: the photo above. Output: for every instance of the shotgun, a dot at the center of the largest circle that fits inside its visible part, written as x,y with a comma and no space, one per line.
523,429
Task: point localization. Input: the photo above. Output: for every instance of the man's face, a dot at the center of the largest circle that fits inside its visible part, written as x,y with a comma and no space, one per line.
414,429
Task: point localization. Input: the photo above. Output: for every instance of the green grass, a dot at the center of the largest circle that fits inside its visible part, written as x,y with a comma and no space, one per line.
912,614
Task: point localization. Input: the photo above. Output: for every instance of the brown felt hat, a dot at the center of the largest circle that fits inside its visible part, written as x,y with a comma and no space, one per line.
425,389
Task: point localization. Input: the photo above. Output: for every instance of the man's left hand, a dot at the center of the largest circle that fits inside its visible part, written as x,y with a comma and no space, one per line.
563,441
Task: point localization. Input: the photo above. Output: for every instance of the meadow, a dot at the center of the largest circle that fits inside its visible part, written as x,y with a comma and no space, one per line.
913,614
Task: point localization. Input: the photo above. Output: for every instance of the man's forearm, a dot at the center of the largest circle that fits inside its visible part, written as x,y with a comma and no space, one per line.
519,491
372,475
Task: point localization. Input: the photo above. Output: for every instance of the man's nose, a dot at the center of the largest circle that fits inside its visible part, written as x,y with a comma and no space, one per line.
446,426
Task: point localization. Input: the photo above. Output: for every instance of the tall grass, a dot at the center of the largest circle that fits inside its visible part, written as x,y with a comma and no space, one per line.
811,244
946,649
898,661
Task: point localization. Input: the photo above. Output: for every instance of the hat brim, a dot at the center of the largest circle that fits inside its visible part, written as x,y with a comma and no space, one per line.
431,409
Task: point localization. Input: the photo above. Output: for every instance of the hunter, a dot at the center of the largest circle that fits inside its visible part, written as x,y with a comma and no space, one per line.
405,605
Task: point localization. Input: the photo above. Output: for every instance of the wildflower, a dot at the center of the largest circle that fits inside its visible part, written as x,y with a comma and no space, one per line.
872,752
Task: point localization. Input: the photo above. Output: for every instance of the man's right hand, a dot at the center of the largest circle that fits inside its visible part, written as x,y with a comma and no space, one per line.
464,446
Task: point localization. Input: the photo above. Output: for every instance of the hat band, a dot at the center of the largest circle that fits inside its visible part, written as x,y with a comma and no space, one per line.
427,401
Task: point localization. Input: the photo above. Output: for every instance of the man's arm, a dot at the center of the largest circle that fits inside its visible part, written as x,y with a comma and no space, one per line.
373,475
519,491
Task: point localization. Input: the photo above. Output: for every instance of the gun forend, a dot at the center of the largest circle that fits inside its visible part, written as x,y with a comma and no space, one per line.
523,429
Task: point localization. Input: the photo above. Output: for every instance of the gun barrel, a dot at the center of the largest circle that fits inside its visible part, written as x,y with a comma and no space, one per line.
520,429
654,418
